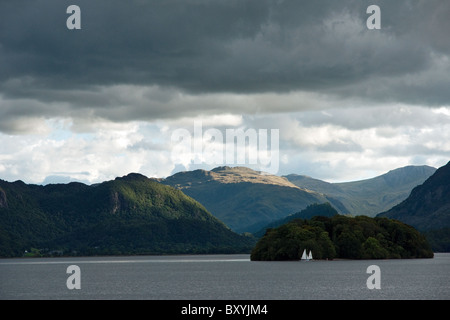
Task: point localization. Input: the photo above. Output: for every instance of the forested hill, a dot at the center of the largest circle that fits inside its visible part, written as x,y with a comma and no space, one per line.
338,236
128,215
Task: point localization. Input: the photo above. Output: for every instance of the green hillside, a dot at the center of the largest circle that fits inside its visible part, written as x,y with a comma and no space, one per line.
128,215
244,199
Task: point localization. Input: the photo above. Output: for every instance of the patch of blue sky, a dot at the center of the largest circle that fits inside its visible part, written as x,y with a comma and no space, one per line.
60,130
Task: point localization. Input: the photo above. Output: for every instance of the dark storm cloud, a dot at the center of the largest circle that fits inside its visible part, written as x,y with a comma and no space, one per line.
135,42
217,46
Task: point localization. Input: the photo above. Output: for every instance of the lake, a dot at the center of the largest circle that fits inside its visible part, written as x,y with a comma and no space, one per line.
222,277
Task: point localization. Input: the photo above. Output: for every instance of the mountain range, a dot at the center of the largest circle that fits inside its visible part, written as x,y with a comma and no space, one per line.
370,196
247,200
207,211
244,199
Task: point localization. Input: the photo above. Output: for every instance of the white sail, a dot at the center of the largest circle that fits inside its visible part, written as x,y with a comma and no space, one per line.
310,255
304,255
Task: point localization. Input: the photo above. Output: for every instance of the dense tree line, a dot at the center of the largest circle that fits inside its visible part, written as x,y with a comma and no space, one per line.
343,237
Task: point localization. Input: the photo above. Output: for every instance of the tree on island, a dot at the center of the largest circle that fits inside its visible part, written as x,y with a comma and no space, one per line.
343,237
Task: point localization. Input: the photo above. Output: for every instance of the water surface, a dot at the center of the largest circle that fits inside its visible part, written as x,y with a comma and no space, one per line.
224,277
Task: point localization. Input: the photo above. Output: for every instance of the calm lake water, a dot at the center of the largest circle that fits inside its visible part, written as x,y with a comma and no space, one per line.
222,277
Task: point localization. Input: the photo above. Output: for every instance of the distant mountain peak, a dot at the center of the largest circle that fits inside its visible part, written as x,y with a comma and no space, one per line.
407,174
234,169
223,168
369,196
245,199
133,176
428,205
227,175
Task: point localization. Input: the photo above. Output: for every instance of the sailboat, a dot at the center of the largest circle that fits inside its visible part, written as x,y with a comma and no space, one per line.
306,257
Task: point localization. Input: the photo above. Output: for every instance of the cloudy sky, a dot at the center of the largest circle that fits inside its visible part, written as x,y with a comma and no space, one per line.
348,102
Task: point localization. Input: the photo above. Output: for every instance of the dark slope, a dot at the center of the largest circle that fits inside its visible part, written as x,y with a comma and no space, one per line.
313,210
428,209
428,205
